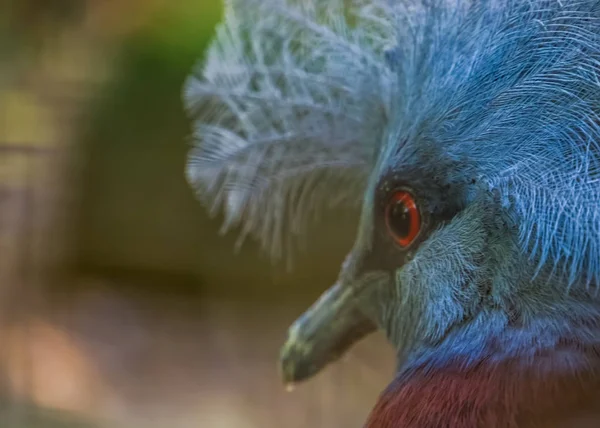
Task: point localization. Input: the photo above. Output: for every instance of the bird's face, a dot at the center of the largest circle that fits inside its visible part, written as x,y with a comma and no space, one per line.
422,264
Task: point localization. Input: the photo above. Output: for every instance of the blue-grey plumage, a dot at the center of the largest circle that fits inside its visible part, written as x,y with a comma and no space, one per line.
485,113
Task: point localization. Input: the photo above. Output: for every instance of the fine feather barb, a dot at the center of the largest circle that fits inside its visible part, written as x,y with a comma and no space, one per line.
510,91
299,93
289,107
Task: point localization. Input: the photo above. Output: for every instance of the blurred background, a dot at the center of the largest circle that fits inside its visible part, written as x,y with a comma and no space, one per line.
121,304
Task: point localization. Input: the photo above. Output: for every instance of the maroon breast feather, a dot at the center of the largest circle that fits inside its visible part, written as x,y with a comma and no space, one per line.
489,395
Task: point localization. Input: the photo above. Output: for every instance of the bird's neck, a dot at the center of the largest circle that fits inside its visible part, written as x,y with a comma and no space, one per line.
519,375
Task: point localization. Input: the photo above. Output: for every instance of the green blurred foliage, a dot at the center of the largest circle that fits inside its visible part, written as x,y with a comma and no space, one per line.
136,208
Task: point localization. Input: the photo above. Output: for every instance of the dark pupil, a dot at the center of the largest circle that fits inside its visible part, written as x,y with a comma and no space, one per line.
400,219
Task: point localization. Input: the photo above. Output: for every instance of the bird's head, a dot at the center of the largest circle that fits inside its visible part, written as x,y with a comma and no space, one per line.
424,261
471,148
469,223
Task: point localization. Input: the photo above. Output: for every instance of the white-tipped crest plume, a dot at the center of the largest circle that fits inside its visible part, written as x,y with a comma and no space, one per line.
295,100
291,104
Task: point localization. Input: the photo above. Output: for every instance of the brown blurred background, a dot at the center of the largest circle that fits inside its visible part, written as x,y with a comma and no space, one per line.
121,304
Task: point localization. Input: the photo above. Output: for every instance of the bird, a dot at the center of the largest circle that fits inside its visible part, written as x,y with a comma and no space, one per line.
465,134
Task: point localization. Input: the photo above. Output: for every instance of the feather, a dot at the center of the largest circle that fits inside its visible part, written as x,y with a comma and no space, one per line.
289,107
299,103
508,92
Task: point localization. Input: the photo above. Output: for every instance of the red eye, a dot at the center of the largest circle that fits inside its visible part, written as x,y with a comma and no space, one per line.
402,218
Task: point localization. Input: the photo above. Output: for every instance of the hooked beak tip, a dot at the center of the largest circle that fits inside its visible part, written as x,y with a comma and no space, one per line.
322,334
294,362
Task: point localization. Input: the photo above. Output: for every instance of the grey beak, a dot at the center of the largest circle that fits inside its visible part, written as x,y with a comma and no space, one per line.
323,334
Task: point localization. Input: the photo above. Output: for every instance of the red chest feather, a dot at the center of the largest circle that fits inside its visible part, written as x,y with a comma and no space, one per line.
486,396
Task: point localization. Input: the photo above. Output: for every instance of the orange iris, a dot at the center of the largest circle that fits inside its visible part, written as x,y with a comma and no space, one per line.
402,218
